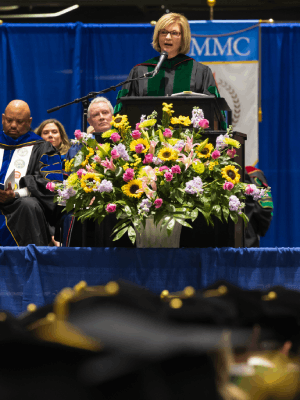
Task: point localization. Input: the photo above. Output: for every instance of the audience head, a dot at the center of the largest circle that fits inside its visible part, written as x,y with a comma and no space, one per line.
173,45
16,119
54,132
99,114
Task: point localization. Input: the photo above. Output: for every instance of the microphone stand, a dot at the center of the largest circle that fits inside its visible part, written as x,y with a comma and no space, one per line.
85,99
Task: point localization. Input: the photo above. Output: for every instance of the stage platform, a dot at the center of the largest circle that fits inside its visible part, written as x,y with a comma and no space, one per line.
36,274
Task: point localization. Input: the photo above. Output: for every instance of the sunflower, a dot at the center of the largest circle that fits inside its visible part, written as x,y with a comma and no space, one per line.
232,142
88,181
206,151
231,174
167,154
181,120
142,141
131,188
119,121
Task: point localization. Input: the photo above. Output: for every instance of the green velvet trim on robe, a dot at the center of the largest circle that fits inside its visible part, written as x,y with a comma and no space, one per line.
182,79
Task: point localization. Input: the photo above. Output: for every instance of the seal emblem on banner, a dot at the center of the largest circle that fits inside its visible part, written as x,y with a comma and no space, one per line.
19,164
22,152
236,112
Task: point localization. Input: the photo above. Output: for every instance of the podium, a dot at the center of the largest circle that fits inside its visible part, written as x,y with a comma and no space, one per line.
212,107
221,234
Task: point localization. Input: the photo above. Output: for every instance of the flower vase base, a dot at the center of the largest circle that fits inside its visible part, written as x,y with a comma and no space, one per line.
153,236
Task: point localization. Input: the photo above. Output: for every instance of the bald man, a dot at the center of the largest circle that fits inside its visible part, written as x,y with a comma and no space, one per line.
27,164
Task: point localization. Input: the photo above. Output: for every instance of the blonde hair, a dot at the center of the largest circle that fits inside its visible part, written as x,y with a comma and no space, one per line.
65,143
172,18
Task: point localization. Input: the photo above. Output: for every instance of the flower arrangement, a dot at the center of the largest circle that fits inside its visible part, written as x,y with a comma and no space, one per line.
162,170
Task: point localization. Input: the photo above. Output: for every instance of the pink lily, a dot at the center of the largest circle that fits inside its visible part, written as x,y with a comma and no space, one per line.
187,161
189,144
108,164
153,143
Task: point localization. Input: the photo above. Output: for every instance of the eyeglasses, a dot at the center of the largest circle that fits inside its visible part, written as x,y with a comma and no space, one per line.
164,32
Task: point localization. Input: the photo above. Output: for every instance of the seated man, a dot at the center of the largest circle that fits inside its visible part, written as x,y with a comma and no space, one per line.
27,164
99,116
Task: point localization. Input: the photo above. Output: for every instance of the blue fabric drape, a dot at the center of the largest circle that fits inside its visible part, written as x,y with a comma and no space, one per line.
278,133
52,64
36,274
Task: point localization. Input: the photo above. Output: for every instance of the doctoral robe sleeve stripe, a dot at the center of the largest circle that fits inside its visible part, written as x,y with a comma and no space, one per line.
53,176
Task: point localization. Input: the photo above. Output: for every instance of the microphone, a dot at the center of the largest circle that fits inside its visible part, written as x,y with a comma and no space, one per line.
162,58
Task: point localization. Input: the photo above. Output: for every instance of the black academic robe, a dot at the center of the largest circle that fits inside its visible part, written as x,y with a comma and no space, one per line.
27,220
178,74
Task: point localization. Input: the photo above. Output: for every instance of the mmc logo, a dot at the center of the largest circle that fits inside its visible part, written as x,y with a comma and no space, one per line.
211,46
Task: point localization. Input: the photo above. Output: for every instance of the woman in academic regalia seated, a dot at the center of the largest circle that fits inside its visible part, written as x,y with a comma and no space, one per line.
178,72
54,132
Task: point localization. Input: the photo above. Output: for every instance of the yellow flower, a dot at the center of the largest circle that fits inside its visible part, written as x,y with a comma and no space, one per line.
142,141
69,165
173,141
232,142
167,154
88,181
212,165
231,174
206,151
181,120
119,121
108,134
72,180
168,108
198,167
125,166
147,123
131,188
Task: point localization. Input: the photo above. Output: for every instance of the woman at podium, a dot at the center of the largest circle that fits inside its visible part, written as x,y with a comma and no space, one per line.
178,72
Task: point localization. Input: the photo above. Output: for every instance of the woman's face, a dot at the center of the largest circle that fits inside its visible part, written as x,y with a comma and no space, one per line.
51,134
170,39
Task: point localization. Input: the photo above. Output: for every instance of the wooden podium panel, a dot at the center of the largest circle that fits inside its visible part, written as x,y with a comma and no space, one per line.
134,107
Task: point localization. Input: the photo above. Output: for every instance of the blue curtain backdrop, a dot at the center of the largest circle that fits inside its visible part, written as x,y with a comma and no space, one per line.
51,64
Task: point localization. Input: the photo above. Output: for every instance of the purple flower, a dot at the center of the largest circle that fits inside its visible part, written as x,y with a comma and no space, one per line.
157,160
220,142
121,149
168,176
228,185
194,186
111,208
215,154
145,205
104,186
139,148
234,203
158,203
128,175
176,169
197,115
136,134
115,137
50,186
148,159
